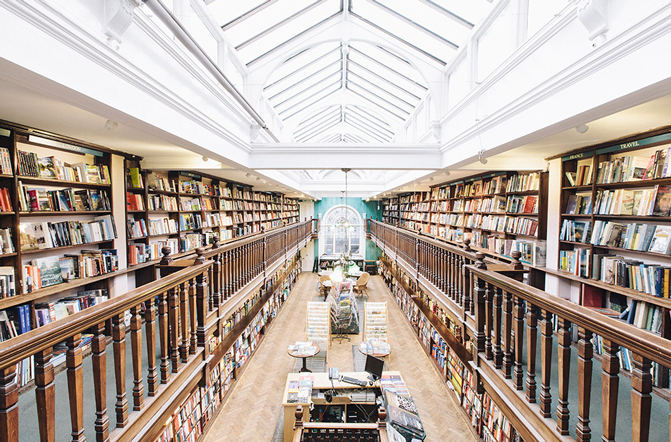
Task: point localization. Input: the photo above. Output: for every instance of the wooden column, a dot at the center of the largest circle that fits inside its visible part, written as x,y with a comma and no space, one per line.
507,331
641,401
226,274
150,328
119,345
564,364
546,363
480,296
585,354
496,344
518,325
163,333
9,407
532,332
99,362
136,350
45,395
610,381
193,320
216,281
73,360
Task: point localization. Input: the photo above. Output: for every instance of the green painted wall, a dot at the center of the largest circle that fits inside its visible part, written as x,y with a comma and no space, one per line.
361,206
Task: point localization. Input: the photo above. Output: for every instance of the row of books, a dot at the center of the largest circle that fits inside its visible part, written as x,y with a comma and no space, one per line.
6,241
48,312
5,162
31,165
52,270
524,183
5,200
632,236
14,321
134,201
162,202
63,200
629,273
46,235
156,181
162,226
655,201
634,168
140,253
7,282
522,204
643,315
134,179
581,177
136,228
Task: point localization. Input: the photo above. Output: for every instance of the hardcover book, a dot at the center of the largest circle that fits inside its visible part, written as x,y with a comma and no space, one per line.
662,201
50,270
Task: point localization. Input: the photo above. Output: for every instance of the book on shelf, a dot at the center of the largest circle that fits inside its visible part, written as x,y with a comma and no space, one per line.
135,179
46,235
7,282
156,181
134,201
575,231
5,200
30,165
5,162
662,205
48,312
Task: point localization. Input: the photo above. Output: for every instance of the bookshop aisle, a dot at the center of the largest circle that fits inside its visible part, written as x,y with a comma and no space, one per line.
254,408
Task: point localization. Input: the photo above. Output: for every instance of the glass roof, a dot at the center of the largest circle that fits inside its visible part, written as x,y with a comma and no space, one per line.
346,91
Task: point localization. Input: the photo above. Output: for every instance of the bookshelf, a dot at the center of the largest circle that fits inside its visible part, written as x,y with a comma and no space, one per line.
375,321
318,322
499,212
184,210
615,236
390,211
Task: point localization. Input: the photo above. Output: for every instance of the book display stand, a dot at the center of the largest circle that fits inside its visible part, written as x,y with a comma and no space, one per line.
318,326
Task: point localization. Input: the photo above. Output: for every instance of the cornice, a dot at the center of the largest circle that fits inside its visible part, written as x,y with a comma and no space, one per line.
91,44
639,35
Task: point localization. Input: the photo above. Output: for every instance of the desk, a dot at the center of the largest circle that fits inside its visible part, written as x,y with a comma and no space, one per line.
313,350
320,381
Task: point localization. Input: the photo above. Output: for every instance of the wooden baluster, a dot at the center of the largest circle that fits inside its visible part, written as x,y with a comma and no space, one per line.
480,296
173,321
9,407
184,321
564,363
45,395
496,344
518,324
505,334
610,382
451,270
532,333
99,363
200,310
460,284
150,327
136,350
193,320
225,275
546,363
163,332
585,354
444,271
119,346
488,321
641,401
73,360
216,281
237,266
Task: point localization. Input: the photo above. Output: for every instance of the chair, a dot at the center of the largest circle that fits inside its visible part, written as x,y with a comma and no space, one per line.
322,288
360,286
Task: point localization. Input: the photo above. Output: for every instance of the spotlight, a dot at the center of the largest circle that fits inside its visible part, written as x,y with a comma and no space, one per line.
481,157
205,159
248,174
258,179
111,126
447,173
431,179
582,128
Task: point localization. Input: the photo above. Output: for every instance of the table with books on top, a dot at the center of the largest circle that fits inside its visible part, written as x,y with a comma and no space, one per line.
334,399
304,350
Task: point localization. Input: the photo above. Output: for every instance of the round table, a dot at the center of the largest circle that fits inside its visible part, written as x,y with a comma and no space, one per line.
315,349
373,353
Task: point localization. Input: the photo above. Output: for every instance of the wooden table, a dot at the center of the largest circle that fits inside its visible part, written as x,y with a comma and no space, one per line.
315,348
380,354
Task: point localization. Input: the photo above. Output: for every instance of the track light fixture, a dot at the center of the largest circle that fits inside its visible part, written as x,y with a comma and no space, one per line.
481,157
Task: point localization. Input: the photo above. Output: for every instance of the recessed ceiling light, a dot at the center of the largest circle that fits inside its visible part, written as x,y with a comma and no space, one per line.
248,174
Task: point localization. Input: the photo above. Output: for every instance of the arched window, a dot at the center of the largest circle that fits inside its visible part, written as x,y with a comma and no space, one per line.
341,225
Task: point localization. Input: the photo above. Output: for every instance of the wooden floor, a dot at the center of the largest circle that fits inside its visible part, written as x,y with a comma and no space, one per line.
252,411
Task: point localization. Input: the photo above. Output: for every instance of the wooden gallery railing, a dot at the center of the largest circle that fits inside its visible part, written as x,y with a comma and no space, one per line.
327,432
503,316
179,310
510,313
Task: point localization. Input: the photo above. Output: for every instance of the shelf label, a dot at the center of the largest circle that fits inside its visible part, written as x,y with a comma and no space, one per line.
5,132
577,156
66,146
190,174
637,143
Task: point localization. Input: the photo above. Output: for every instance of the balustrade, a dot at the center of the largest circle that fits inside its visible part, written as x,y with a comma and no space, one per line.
176,307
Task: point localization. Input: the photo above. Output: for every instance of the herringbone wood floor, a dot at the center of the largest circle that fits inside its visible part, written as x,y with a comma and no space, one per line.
252,410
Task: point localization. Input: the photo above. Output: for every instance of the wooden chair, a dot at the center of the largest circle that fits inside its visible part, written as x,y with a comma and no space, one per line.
360,286
324,290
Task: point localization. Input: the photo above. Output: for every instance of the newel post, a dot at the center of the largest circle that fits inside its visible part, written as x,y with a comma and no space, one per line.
166,260
480,296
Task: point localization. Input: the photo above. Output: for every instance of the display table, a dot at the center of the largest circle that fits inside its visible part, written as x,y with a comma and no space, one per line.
372,348
351,402
304,352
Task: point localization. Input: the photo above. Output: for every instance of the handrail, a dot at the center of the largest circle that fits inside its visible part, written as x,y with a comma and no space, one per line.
647,344
14,350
